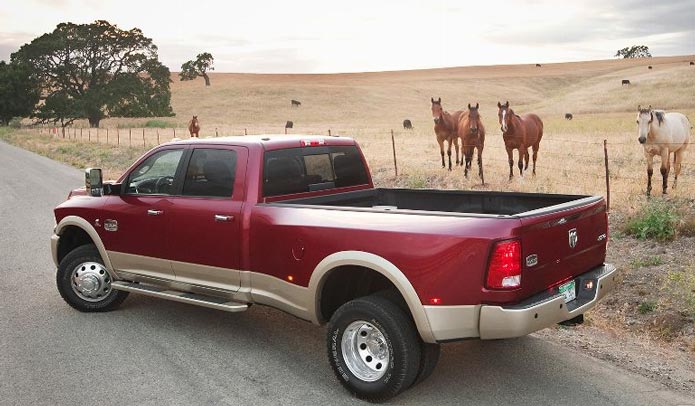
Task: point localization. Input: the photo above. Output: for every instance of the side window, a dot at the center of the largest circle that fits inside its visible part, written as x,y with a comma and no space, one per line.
299,170
156,175
210,173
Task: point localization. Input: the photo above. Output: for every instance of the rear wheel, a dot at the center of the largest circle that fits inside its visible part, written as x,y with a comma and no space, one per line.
373,348
429,356
85,284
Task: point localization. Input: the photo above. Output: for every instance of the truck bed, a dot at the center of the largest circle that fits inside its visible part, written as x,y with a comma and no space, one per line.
447,201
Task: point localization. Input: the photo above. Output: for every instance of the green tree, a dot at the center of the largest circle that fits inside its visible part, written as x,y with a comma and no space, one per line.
19,92
95,71
192,69
635,51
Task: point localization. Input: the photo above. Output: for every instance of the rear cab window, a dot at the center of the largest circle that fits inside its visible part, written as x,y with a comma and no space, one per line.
300,170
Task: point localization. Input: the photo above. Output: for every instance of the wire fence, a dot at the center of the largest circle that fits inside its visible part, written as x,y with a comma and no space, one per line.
570,162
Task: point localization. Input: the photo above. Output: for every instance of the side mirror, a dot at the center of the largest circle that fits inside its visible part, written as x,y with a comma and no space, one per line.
93,182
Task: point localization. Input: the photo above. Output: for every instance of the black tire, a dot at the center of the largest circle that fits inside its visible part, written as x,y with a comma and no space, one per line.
429,356
400,340
83,257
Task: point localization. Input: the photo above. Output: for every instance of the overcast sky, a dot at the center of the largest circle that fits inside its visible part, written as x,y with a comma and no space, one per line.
306,36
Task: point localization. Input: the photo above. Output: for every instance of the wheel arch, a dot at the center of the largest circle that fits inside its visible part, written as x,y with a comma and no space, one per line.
340,261
72,232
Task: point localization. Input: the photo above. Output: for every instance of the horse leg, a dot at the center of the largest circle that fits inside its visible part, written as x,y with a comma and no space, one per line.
650,171
456,147
535,156
510,158
448,152
521,161
665,167
468,156
441,151
526,156
480,164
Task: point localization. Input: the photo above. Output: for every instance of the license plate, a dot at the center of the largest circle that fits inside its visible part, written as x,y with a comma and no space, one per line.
567,290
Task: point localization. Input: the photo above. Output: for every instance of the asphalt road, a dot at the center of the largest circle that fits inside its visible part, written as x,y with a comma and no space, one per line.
154,352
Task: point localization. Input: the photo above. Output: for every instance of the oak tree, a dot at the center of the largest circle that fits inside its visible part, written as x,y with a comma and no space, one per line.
19,92
95,71
199,67
635,51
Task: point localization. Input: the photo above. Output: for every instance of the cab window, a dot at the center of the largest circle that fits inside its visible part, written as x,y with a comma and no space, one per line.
155,176
210,173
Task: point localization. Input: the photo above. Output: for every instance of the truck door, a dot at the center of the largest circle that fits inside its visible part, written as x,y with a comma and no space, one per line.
134,224
205,232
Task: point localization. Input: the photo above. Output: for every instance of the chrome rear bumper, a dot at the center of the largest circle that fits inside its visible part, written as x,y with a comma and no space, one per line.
545,309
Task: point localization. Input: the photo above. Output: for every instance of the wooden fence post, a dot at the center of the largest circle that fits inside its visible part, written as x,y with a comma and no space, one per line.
608,181
329,132
107,135
143,138
158,137
118,136
245,133
89,134
80,132
97,134
130,137
395,162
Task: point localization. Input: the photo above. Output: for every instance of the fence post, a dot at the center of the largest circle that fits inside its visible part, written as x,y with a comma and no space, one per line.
143,138
118,136
89,134
130,137
216,135
107,135
80,132
174,132
395,162
158,137
97,134
608,181
245,133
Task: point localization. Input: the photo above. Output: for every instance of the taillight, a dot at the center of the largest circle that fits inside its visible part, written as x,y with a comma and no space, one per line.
504,269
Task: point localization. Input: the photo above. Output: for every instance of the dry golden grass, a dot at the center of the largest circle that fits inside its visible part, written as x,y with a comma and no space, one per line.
367,106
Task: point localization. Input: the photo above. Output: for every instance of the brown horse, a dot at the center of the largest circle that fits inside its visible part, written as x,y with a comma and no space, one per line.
194,127
472,134
446,127
519,133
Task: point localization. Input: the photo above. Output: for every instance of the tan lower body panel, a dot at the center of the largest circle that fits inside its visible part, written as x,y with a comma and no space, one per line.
453,322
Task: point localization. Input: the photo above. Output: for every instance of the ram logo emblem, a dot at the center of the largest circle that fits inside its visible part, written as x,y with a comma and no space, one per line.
573,238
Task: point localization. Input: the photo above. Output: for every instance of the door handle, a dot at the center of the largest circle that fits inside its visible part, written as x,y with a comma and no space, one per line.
155,212
223,218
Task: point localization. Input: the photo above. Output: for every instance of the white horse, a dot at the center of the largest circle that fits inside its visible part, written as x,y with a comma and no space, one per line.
669,133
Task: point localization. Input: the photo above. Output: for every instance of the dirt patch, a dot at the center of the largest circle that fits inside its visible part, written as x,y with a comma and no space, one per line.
647,325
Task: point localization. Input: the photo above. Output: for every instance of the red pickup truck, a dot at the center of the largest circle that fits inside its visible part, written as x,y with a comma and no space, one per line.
295,223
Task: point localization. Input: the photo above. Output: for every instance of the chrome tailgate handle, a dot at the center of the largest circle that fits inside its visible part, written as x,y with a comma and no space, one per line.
155,212
223,218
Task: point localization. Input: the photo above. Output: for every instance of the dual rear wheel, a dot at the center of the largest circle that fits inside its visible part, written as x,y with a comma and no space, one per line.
375,351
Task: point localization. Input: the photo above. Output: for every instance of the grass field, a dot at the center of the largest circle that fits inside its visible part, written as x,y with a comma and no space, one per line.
367,106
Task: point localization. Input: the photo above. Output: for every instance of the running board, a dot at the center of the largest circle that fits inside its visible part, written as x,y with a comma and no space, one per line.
178,296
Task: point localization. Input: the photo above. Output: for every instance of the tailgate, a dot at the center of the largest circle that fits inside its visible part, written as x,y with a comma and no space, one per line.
559,245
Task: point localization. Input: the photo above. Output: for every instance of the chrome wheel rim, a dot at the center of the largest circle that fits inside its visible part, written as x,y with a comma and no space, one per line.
365,351
90,281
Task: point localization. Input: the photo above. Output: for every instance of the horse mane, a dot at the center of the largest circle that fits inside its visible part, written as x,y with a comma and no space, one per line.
659,116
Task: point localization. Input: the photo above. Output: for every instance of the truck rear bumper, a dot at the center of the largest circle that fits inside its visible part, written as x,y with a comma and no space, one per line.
538,312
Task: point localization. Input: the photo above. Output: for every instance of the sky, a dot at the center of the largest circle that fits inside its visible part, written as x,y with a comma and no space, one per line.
306,36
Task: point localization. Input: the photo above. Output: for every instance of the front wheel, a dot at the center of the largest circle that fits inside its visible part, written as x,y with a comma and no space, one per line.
85,284
373,348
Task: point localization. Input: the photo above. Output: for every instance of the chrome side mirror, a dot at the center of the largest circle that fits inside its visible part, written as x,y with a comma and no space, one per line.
93,182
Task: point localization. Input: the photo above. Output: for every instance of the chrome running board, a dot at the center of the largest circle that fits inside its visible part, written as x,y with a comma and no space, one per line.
178,296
